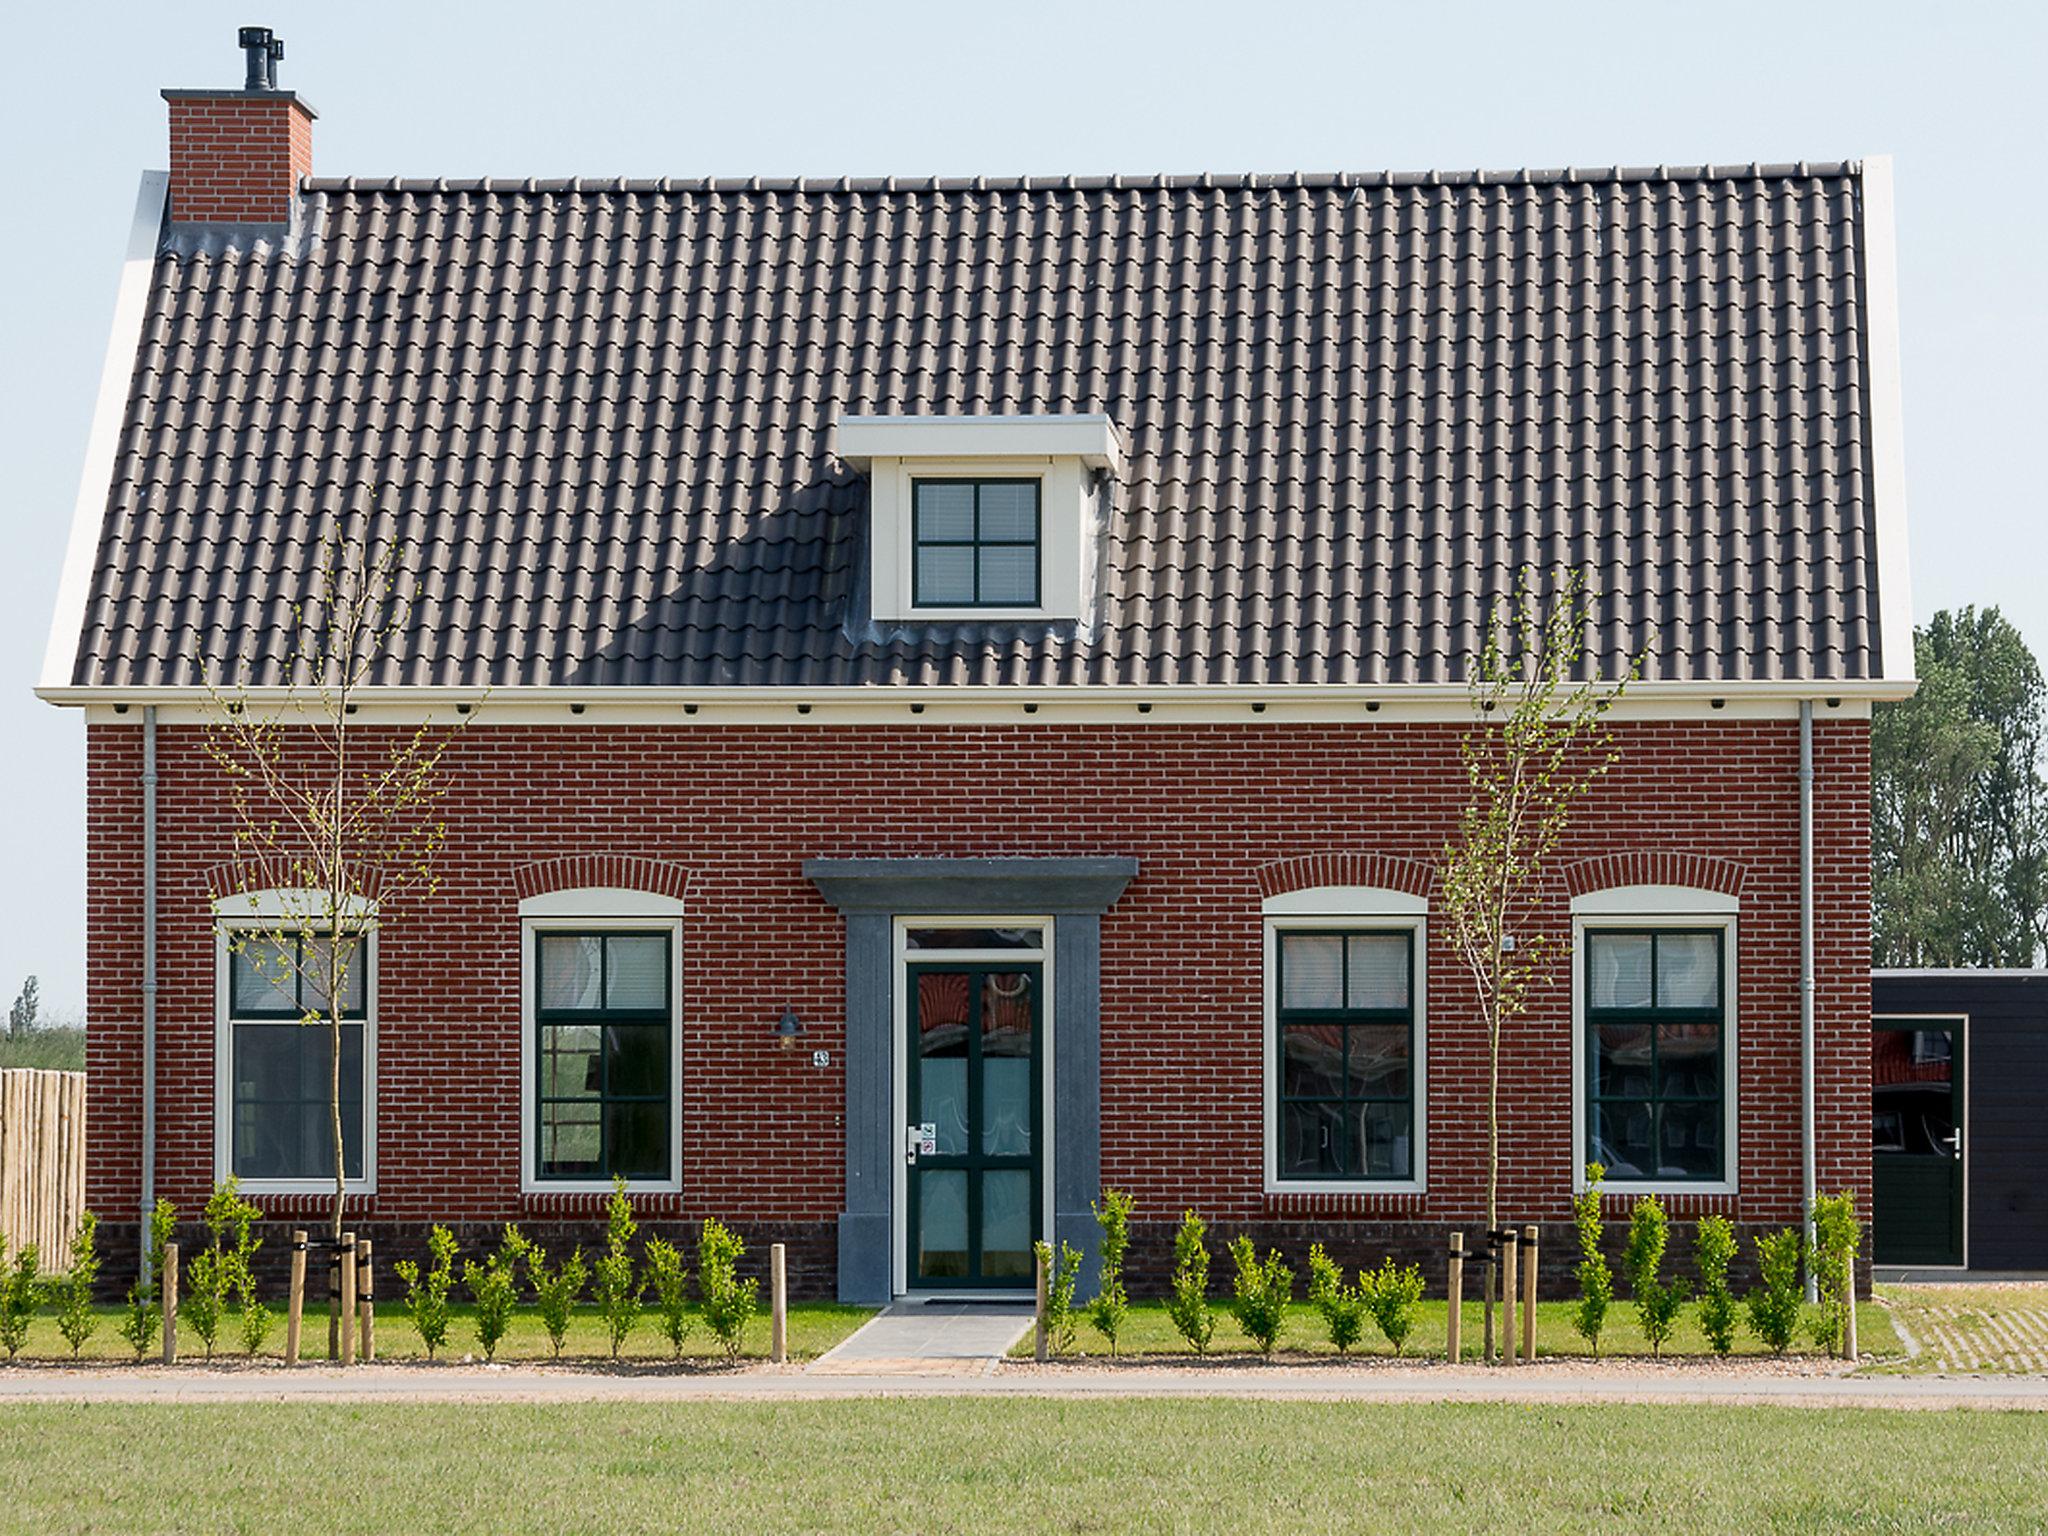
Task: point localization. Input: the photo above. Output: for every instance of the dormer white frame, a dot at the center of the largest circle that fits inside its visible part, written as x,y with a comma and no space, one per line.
1069,457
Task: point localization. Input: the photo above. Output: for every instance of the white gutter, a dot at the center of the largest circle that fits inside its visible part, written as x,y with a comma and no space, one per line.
149,862
1787,692
1808,1148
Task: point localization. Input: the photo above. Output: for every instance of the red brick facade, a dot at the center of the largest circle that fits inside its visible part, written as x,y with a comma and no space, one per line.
1218,816
236,158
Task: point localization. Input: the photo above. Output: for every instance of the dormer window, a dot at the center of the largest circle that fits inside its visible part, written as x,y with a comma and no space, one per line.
975,543
983,517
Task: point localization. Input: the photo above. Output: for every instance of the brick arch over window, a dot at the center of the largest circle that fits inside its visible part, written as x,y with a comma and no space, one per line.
1384,870
614,871
1699,870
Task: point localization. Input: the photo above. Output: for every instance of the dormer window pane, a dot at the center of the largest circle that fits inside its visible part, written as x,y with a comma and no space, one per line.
945,512
945,575
975,544
1009,575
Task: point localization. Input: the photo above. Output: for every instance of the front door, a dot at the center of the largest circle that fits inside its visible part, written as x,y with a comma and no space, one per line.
975,1118
1916,1103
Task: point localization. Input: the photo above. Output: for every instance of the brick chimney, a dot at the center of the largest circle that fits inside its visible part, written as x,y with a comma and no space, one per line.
237,156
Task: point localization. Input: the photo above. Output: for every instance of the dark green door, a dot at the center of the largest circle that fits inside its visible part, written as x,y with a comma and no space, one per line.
975,1118
1916,1150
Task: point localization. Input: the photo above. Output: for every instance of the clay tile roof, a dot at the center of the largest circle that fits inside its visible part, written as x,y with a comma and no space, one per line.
599,415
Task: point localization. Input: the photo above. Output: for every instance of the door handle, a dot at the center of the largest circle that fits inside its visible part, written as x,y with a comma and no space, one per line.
910,1145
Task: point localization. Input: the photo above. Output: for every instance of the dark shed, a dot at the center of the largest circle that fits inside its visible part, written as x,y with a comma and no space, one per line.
1959,1102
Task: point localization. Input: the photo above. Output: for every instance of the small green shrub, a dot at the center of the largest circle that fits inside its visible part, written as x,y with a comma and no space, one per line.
1262,1291
232,1221
142,1322
76,1318
615,1285
1392,1296
729,1301
1060,1323
1713,1249
494,1286
1596,1280
1775,1302
556,1291
1837,1235
670,1281
1341,1304
426,1293
1111,1304
1657,1304
1188,1305
21,1295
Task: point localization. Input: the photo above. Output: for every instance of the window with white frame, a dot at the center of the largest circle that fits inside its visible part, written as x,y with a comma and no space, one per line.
1654,998
278,1048
1345,1040
602,1052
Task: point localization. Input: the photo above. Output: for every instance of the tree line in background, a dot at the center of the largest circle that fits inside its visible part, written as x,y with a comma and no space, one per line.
1959,807
36,1039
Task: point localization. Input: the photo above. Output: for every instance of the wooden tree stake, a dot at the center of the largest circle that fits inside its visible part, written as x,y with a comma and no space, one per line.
1038,1339
1510,1241
347,1309
1849,1335
295,1305
1530,1236
170,1303
1454,1291
366,1301
778,1304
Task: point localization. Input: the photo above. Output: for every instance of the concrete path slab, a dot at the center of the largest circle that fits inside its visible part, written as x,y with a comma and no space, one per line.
928,1338
1414,1384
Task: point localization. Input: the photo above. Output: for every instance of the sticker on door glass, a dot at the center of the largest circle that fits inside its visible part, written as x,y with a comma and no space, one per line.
928,1138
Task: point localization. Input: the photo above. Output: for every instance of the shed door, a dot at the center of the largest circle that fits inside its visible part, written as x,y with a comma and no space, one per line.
1916,1104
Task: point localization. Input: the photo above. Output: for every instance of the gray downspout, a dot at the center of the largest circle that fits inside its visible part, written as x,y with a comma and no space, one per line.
1808,1174
148,978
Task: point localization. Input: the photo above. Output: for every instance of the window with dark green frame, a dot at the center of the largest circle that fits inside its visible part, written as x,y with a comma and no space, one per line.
280,1068
1656,1026
1345,1012
974,544
604,1050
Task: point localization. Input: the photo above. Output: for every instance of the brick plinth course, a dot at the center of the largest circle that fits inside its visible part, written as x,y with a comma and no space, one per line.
1215,815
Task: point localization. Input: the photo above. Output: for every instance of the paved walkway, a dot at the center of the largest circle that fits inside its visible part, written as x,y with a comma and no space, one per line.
928,1338
1538,1384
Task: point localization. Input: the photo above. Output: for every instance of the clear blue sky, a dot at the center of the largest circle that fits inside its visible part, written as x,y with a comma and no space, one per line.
516,89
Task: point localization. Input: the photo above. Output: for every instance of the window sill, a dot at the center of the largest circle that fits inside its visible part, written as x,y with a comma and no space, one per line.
1660,1187
1347,1186
354,1189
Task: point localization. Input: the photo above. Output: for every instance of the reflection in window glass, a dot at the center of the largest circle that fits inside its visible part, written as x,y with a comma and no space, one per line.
604,1044
1346,1084
1656,1061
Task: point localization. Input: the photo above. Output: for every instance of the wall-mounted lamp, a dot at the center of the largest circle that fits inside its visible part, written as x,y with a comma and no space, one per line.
788,1029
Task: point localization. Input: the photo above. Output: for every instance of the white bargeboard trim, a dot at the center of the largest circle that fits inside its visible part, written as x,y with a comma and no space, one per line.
1887,419
95,480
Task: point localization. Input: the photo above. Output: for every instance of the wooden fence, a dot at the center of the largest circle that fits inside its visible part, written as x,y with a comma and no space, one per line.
42,1161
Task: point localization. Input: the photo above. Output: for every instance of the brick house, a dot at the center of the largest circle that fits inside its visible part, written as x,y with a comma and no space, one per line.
975,672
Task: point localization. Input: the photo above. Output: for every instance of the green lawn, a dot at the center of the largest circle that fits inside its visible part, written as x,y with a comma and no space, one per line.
814,1327
935,1466
1148,1331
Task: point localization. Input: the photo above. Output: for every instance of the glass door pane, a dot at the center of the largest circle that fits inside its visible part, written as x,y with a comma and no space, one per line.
974,1107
